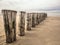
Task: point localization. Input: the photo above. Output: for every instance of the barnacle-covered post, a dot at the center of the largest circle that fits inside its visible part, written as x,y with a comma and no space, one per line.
28,21
9,17
22,23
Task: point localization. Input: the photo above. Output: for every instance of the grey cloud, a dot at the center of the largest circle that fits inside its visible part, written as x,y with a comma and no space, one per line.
31,4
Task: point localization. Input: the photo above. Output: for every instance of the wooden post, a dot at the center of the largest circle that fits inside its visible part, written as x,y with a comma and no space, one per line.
45,15
22,23
33,20
37,19
9,17
28,21
42,16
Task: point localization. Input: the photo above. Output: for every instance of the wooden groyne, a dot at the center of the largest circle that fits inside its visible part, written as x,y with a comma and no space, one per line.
9,17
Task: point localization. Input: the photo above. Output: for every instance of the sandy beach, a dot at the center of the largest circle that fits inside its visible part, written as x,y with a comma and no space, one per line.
46,33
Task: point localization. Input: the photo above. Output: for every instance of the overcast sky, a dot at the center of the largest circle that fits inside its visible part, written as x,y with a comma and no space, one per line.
30,4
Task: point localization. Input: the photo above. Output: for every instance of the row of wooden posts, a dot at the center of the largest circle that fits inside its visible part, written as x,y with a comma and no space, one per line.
9,17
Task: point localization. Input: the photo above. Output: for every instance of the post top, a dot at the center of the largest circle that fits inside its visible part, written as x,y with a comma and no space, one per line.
9,10
22,11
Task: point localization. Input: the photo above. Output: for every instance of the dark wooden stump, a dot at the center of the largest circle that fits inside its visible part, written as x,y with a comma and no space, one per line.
33,20
43,16
37,19
22,23
9,17
28,21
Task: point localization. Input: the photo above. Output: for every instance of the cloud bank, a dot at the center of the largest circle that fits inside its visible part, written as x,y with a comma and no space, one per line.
30,4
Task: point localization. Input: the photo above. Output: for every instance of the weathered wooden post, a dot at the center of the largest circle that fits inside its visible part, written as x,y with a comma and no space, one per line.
33,20
9,17
28,21
45,15
42,18
39,17
22,23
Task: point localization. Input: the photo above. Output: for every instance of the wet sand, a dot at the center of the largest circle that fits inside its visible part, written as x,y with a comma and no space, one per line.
46,33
